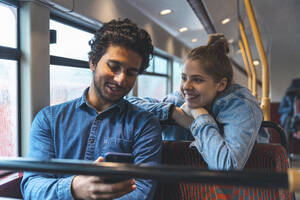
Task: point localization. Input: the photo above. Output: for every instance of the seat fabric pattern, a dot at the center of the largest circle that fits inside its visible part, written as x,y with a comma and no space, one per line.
264,157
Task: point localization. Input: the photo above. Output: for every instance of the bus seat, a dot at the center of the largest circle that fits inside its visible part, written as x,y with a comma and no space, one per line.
275,129
10,186
267,157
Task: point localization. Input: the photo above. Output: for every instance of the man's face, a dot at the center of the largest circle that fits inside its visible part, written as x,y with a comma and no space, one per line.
115,73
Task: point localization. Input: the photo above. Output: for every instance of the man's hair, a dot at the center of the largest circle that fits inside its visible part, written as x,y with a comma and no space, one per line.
121,33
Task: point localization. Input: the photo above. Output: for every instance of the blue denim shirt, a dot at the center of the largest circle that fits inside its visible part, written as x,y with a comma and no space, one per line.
74,130
226,136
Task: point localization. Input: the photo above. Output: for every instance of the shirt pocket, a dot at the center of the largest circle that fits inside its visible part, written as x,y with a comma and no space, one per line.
116,145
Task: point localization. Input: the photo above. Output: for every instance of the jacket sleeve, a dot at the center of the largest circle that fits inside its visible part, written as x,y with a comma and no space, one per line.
227,144
285,109
37,185
160,108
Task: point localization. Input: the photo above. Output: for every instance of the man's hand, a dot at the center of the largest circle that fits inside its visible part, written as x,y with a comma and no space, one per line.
93,187
193,112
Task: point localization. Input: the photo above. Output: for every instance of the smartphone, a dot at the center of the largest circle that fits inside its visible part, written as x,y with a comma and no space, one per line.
120,158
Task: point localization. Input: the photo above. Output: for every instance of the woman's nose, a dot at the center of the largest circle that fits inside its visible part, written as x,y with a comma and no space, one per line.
187,85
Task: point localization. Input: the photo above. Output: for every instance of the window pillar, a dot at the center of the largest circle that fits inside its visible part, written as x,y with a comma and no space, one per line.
35,61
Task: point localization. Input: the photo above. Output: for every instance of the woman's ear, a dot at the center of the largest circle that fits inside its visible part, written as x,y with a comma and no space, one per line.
221,85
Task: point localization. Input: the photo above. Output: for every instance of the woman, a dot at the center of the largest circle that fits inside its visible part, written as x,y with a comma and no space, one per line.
223,118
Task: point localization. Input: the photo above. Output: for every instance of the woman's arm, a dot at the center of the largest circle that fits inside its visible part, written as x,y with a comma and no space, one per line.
182,118
160,108
228,143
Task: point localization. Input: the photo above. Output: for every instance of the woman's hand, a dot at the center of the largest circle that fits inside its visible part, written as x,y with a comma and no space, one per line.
193,112
186,109
182,118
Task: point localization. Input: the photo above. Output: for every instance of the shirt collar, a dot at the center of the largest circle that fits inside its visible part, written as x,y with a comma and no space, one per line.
83,100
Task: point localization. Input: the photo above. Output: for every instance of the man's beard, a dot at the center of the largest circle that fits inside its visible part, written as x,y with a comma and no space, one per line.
100,94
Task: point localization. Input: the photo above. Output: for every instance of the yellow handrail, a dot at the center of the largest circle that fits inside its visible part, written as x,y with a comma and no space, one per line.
265,103
249,56
246,65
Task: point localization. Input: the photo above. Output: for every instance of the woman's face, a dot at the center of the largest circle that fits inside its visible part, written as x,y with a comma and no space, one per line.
198,88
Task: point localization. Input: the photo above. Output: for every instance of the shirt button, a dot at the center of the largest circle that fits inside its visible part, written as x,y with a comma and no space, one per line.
92,141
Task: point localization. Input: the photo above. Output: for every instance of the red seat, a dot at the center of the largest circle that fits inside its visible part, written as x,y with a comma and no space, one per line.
268,157
10,186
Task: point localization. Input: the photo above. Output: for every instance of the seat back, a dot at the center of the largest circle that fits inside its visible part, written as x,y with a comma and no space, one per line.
266,157
10,186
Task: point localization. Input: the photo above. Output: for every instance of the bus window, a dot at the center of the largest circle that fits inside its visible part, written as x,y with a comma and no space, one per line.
8,24
152,86
71,42
177,68
8,81
155,81
69,82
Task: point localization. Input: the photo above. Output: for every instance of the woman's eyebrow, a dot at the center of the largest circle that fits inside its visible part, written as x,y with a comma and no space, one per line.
197,76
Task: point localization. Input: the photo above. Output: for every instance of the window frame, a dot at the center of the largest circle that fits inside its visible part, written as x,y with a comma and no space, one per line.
69,62
168,75
11,3
8,53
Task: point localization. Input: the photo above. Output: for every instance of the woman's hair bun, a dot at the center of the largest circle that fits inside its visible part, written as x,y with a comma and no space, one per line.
218,42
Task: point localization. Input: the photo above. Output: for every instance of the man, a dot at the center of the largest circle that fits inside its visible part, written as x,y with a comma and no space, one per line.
100,121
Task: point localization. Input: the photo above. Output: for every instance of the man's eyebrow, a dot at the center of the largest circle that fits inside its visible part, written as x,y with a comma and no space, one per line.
114,61
120,63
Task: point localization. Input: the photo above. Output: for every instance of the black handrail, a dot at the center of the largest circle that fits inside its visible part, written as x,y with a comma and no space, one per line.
164,173
280,131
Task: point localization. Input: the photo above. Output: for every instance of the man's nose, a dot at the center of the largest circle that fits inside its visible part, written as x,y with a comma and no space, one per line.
120,78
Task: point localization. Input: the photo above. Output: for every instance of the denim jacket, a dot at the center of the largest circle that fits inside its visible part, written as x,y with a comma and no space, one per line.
226,136
74,130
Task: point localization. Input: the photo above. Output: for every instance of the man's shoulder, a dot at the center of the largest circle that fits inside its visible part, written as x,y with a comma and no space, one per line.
70,103
61,107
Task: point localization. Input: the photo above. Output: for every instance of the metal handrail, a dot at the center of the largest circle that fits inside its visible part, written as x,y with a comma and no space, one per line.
246,65
249,56
265,103
163,173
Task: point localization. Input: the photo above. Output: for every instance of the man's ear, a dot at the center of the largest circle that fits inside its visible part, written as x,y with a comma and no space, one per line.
92,66
221,85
